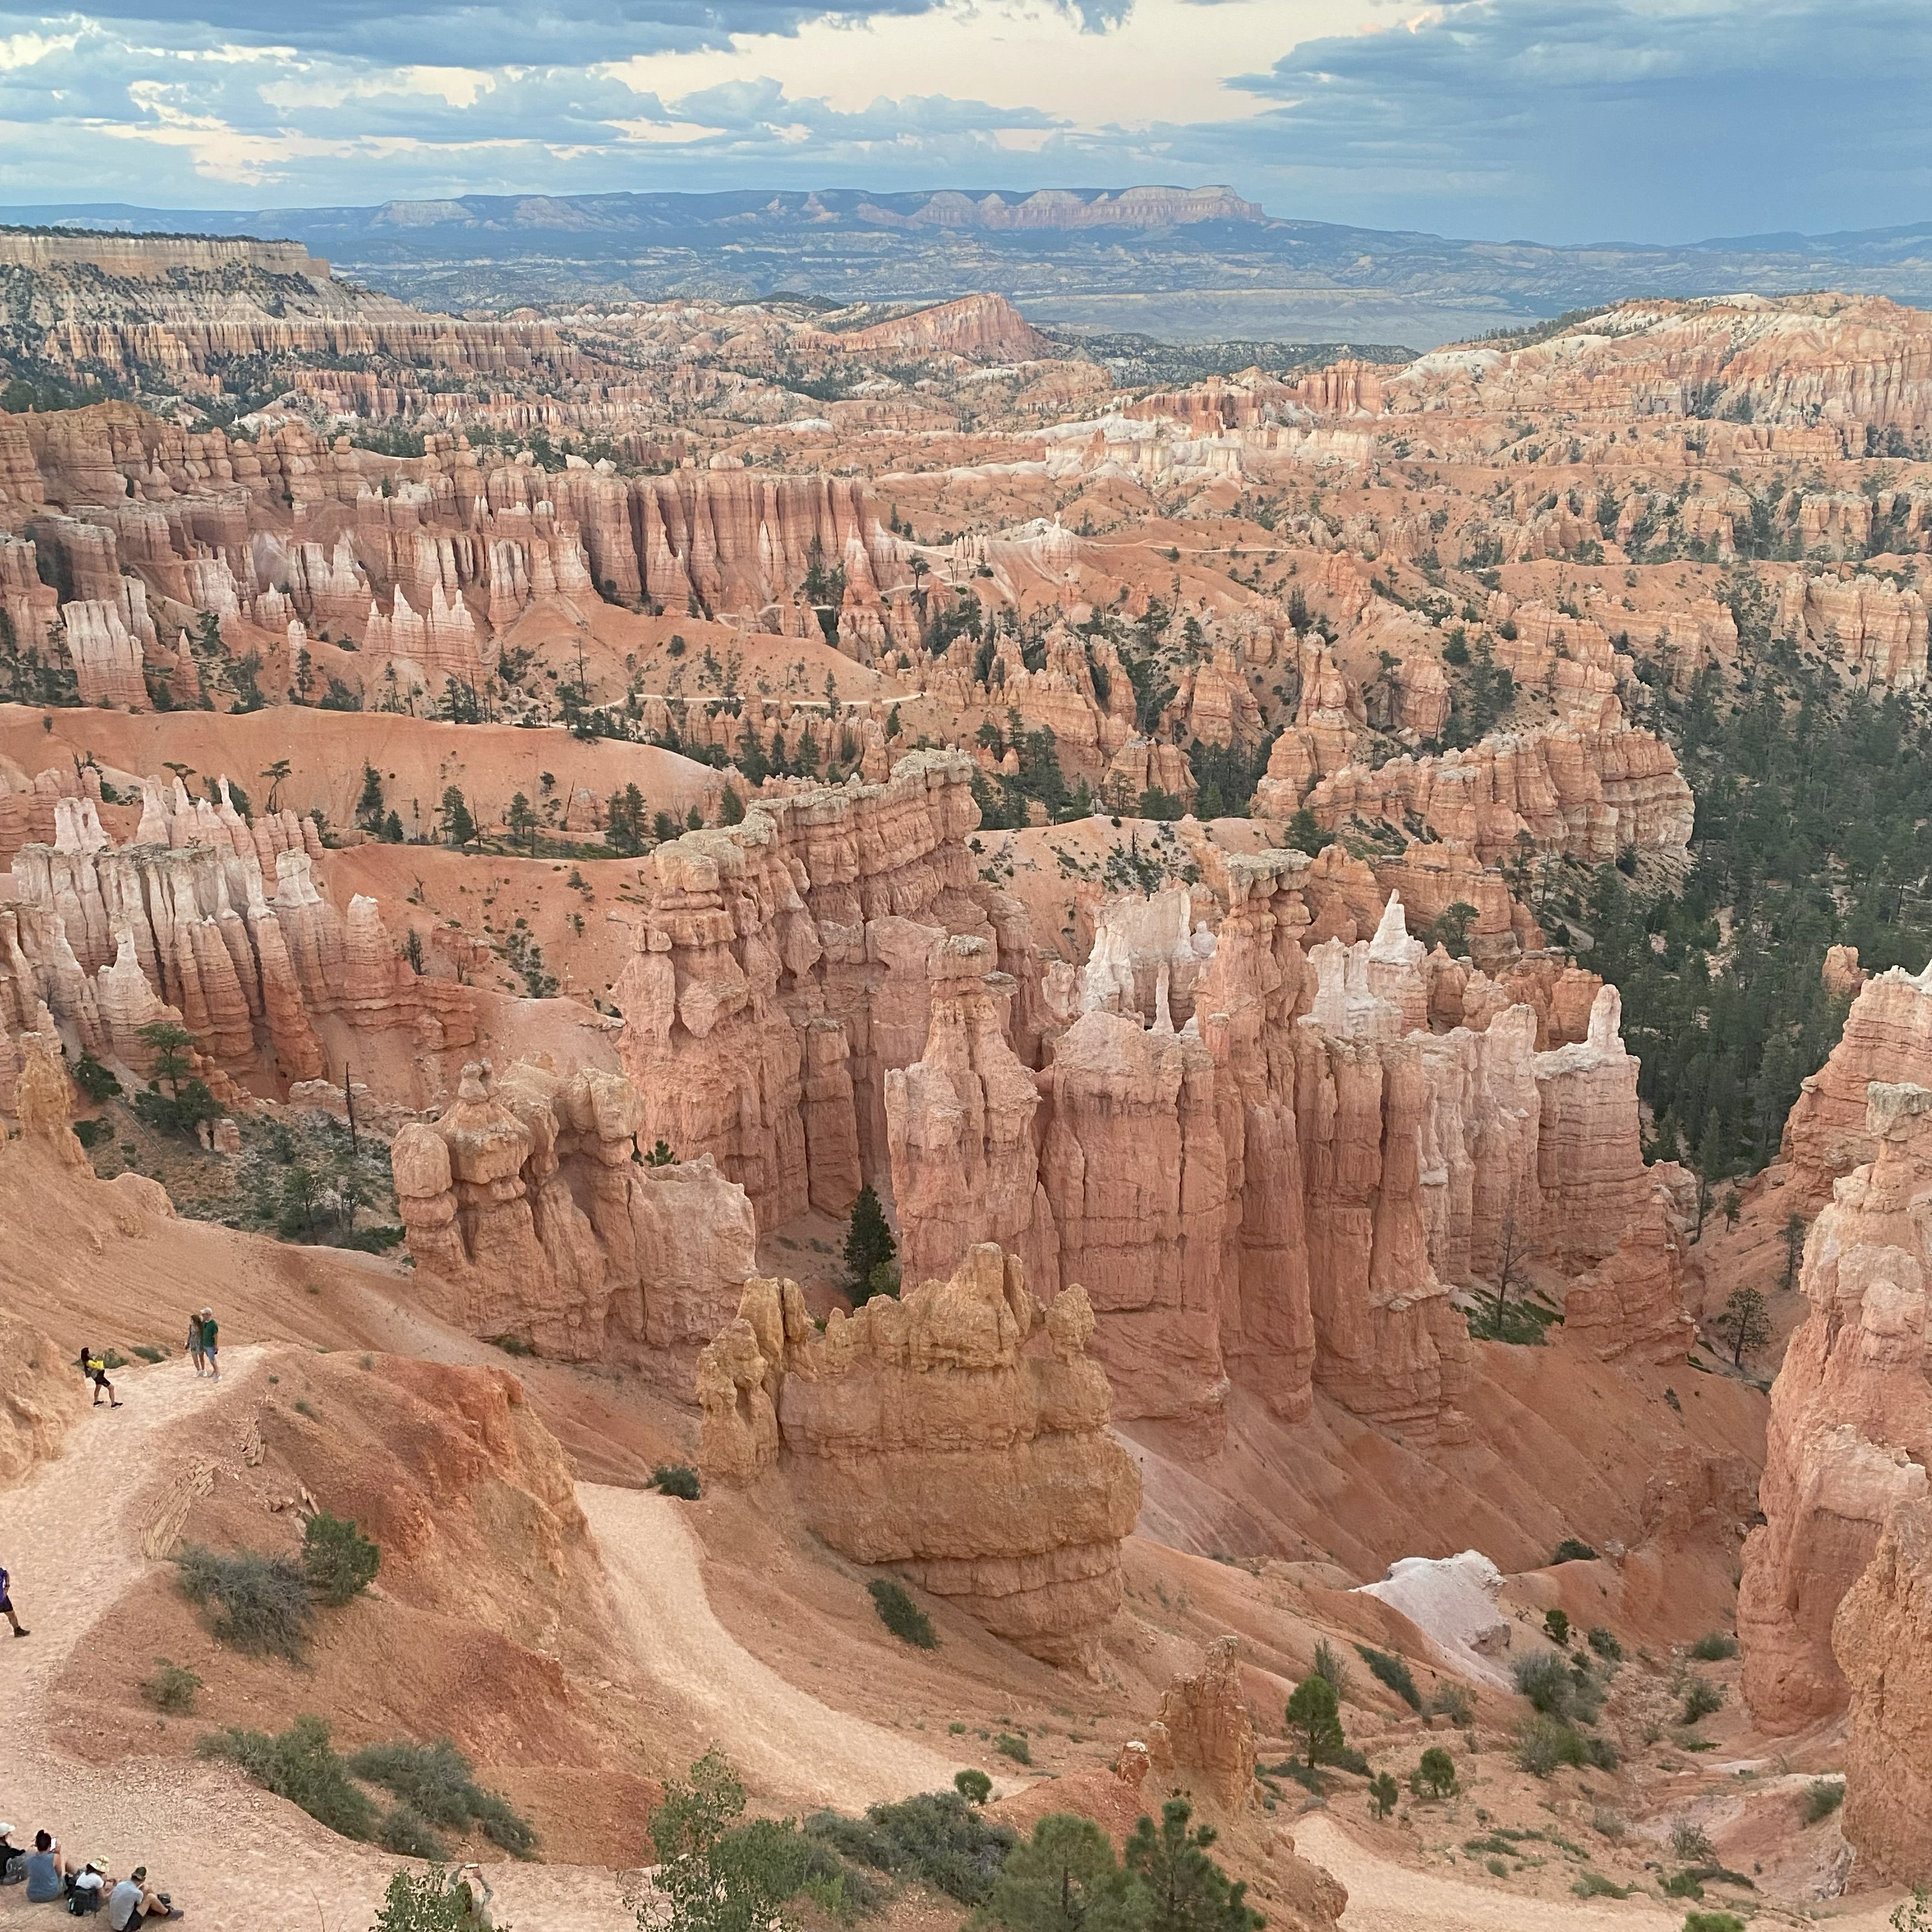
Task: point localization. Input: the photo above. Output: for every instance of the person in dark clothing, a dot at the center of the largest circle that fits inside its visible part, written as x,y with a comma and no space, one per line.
95,1367
11,1855
6,1609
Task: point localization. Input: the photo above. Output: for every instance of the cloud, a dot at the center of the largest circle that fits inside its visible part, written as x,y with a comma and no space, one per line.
1562,119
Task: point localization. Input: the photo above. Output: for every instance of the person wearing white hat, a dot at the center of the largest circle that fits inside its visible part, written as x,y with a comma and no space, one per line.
10,1855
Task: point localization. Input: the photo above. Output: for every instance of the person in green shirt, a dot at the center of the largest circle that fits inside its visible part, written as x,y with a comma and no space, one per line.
210,1327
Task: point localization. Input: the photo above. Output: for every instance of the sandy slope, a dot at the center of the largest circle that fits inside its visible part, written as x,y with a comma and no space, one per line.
781,1736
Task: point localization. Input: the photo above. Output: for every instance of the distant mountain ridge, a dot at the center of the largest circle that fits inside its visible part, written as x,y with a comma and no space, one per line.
1123,259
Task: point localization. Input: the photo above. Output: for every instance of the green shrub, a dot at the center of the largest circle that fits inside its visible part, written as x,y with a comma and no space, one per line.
1384,1794
148,1352
261,1605
92,1134
1497,1869
1714,1646
174,1688
1701,1698
1605,1644
438,1782
1393,1672
1314,1720
1007,1745
1681,1885
299,1765
1713,1921
677,1479
901,1615
1823,1797
1556,1626
338,1560
1594,1885
1187,1890
975,1786
1607,1824
1544,1744
1548,1682
936,1839
1437,1771
1573,1549
1691,1843
97,1081
1453,1701
423,1902
407,1833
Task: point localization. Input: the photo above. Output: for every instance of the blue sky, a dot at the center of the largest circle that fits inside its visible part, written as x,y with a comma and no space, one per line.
1558,120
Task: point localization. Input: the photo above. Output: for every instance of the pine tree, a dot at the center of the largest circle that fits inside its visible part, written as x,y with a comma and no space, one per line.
869,1249
369,805
1187,1892
458,827
1315,1718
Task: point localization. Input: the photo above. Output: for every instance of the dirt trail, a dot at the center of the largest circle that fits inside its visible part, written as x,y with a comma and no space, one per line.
781,1737
1385,1897
75,1535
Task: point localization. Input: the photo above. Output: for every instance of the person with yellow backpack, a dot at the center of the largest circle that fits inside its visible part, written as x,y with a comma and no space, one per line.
94,1368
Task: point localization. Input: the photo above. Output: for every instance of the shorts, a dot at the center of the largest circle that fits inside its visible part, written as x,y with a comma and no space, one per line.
6,1606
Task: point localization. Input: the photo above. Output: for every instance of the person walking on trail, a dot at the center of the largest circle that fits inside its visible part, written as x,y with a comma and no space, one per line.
211,1331
6,1609
197,1345
95,1367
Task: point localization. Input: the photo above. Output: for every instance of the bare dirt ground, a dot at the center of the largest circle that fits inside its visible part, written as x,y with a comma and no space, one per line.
785,1740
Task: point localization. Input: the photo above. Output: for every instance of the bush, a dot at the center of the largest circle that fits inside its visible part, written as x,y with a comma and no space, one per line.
1692,1843
1437,1771
1393,1672
97,1081
1594,1885
901,1615
975,1786
1556,1626
1713,1921
437,1782
1007,1745
1548,1683
1607,1824
1330,1666
1314,1720
174,1688
1189,1892
422,1902
1681,1885
1544,1744
407,1833
1452,1700
261,1605
1572,1549
1605,1644
677,1479
936,1839
1823,1797
1384,1793
339,1561
1715,1646
1701,1698
301,1764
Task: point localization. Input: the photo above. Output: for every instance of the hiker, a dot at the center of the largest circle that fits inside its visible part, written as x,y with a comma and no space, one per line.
95,1367
86,1890
210,1330
471,1911
197,1347
6,1608
47,1870
131,1901
12,1858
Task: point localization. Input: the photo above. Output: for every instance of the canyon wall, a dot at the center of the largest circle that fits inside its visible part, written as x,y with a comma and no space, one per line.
922,1432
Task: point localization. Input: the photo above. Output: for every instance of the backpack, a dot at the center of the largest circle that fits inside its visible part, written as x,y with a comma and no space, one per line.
83,1900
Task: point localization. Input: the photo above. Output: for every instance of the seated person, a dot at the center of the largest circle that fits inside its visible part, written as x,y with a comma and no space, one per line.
48,1870
12,1859
87,1888
130,1901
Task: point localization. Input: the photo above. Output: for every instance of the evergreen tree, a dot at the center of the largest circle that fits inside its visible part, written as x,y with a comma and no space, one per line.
1187,1892
369,803
1314,1720
1065,1879
458,827
870,1247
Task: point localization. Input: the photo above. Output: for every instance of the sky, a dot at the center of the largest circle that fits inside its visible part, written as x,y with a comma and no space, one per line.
1551,120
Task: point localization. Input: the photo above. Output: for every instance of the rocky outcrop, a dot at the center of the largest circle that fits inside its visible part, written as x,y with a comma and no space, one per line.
1203,1739
1589,794
1887,1036
1851,1418
1881,1638
923,1432
528,1215
986,326
797,949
